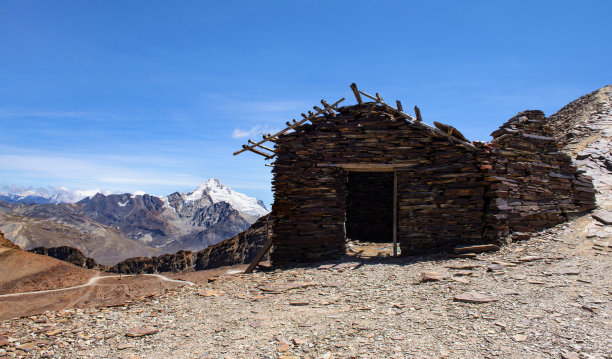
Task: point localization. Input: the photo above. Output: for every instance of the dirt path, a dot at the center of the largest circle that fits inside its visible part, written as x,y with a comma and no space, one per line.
93,281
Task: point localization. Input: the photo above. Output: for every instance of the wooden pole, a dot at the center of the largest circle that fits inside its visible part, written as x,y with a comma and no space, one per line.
399,105
356,92
417,112
261,146
262,251
267,156
379,100
395,214
419,123
266,138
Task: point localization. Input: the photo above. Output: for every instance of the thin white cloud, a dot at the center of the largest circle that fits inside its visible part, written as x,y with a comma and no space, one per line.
255,131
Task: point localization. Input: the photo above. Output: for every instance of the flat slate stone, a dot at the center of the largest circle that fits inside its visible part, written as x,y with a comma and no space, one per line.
494,267
476,249
604,217
210,293
141,332
475,297
431,276
285,287
530,258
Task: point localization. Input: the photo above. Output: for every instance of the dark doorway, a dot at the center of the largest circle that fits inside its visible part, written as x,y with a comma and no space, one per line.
369,207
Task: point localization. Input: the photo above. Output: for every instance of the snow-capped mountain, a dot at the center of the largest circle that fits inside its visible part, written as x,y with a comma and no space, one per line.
54,195
218,192
207,215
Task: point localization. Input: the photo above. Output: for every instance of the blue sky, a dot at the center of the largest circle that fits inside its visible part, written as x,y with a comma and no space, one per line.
156,96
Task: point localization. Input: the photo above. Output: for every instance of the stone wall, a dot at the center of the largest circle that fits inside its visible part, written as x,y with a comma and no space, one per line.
448,193
440,191
531,185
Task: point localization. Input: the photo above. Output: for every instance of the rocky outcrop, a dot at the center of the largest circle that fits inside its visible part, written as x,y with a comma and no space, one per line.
70,255
584,130
177,262
240,249
6,244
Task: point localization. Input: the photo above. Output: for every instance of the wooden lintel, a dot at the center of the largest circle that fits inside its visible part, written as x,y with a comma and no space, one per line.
368,167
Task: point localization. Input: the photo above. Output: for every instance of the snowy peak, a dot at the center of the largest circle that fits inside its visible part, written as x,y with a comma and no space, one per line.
54,195
218,192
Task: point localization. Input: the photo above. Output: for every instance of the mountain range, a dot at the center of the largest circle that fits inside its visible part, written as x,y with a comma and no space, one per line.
113,227
55,195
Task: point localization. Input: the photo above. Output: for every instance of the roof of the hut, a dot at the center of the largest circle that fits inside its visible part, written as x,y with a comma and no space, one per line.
330,111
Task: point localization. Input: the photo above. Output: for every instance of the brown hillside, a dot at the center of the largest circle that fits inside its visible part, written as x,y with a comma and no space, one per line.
5,244
22,271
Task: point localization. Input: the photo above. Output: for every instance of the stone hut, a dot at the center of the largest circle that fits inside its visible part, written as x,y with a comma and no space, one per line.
371,172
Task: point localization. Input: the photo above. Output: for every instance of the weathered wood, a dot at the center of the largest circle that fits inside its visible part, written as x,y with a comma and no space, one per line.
260,255
368,167
417,113
419,123
328,108
450,130
399,105
395,214
269,137
476,249
262,252
261,146
266,155
356,93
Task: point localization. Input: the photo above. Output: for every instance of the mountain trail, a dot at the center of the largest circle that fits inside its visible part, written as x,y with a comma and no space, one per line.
93,281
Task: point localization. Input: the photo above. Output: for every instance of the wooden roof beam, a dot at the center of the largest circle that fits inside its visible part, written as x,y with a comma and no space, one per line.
310,116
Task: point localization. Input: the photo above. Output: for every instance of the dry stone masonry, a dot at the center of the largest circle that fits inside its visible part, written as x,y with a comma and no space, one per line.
369,170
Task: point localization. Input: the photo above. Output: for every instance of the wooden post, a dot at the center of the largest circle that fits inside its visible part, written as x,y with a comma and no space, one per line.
394,213
417,112
399,106
356,92
262,251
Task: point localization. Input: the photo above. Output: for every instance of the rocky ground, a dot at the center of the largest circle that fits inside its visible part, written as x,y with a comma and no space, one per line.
546,297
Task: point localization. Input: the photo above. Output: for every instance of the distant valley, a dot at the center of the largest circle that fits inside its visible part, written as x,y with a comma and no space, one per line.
111,228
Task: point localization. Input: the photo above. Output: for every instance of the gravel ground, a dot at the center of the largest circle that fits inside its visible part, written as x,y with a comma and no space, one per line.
546,297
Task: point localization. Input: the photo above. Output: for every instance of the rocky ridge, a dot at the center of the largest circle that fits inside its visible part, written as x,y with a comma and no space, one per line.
70,255
240,249
584,129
